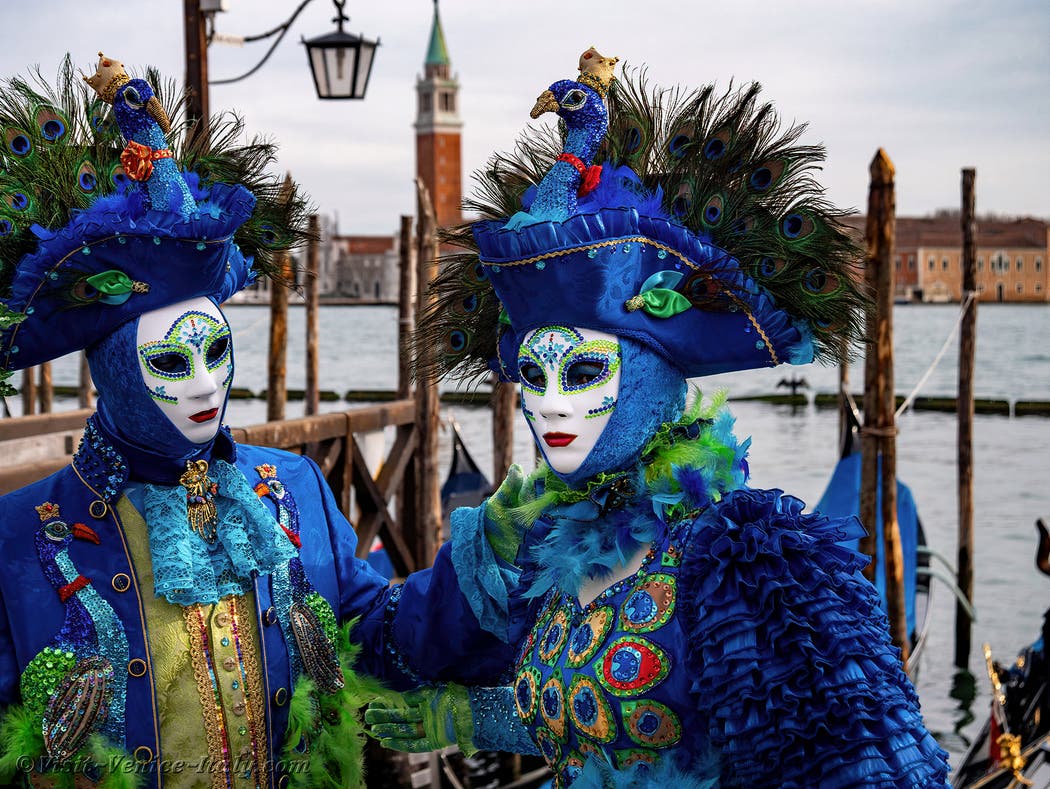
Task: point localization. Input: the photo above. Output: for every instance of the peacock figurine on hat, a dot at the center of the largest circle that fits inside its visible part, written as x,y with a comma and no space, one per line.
112,207
659,235
705,218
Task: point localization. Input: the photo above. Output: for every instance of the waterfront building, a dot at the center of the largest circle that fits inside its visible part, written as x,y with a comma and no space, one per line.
366,268
1013,264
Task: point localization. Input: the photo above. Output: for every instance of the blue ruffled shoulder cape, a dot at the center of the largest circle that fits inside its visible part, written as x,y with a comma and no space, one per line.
795,672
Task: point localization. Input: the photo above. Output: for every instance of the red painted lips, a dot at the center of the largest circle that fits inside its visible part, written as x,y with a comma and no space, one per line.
559,439
205,416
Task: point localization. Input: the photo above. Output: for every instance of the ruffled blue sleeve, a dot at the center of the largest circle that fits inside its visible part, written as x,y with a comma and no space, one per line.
795,671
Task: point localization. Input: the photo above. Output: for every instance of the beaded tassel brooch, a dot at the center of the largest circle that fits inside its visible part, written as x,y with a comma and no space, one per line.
200,498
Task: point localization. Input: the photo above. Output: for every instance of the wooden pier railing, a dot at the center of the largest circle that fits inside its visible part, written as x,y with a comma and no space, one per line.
332,440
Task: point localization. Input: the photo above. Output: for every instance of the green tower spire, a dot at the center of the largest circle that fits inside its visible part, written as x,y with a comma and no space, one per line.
437,53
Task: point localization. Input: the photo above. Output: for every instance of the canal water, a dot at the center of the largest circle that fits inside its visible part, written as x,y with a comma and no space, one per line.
795,449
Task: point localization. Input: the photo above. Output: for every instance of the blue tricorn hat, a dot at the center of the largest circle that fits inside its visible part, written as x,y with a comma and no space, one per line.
109,210
116,261
642,277
701,234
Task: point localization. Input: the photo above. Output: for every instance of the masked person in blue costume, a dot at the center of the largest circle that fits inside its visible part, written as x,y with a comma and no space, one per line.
687,630
176,609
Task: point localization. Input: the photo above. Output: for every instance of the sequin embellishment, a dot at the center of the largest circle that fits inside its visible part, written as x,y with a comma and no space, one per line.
631,666
525,695
554,638
590,711
552,705
651,723
588,636
649,605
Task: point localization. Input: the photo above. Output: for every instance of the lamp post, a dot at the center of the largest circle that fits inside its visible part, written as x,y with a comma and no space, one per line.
340,62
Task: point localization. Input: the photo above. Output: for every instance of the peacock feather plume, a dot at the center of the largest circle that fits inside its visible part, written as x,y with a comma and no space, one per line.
717,162
61,153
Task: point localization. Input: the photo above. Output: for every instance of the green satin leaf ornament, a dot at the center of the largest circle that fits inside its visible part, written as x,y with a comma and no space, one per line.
658,297
665,303
114,286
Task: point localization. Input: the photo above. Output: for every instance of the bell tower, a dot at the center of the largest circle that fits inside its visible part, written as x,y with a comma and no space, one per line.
438,129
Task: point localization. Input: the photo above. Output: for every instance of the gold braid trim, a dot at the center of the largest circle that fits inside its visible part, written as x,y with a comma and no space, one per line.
211,711
252,683
612,242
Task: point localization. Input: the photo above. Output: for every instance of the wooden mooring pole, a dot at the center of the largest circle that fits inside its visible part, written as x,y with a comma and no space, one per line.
967,351
879,469
46,392
85,397
428,511
312,285
29,391
276,379
504,400
406,292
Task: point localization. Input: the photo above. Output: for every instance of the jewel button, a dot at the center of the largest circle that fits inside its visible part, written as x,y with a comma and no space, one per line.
229,663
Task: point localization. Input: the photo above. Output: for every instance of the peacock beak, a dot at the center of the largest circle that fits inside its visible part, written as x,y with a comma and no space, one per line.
545,103
156,111
84,532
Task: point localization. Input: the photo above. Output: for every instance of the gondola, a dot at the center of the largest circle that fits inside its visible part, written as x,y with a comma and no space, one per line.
1012,749
466,485
842,498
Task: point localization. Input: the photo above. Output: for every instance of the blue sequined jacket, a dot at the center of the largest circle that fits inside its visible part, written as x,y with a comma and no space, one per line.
91,594
747,651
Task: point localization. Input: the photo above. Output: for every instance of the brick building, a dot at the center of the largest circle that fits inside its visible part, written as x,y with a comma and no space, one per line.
1012,258
366,268
438,129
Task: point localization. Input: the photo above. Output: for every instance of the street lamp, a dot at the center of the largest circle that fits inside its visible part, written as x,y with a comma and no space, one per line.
341,62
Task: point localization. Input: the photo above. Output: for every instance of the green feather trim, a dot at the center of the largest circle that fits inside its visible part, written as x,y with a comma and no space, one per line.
324,742
20,736
715,450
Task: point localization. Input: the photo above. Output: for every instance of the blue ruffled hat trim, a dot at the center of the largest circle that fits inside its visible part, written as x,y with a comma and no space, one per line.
581,272
157,258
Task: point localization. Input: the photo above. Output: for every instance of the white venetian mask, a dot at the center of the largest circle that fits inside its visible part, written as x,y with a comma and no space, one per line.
186,357
570,379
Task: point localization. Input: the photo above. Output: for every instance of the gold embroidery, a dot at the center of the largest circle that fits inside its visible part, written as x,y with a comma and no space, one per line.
612,242
214,723
254,696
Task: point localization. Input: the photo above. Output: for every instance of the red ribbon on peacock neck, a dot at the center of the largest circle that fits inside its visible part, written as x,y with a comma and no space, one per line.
74,586
137,160
589,176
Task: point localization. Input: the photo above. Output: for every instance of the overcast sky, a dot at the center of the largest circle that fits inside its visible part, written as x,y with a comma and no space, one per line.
940,85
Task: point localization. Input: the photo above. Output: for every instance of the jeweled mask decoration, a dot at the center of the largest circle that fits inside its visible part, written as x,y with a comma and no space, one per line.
570,382
185,354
